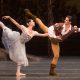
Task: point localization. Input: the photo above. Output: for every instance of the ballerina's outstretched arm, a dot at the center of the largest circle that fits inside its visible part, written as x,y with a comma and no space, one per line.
2,24
13,21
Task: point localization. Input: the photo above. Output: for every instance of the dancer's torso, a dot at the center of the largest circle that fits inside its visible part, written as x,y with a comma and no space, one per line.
60,31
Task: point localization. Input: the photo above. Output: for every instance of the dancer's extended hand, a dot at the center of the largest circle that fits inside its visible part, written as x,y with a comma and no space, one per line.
5,17
58,37
75,29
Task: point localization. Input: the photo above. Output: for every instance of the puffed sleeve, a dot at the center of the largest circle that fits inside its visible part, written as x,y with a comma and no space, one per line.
23,28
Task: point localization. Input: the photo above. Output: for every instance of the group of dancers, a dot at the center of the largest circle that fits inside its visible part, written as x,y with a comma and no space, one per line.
14,42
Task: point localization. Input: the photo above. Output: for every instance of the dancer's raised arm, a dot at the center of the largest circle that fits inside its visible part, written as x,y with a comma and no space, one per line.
13,21
1,24
41,35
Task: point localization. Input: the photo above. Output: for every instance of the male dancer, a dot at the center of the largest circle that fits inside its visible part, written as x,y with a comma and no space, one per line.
57,33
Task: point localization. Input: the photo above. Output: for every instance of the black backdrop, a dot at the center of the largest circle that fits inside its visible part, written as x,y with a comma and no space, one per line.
49,11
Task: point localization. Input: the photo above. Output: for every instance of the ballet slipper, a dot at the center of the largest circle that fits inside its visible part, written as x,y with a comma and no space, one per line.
20,74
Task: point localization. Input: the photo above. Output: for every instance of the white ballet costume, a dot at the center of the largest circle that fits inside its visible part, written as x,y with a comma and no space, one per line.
15,44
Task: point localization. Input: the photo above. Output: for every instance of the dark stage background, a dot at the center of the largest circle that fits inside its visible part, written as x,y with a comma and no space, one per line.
50,11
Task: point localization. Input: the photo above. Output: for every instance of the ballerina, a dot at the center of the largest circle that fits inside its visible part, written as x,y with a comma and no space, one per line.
15,43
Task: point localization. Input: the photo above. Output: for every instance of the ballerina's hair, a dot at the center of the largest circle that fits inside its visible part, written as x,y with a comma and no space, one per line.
27,20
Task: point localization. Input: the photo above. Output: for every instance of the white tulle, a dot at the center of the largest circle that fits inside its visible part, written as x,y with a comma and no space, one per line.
15,44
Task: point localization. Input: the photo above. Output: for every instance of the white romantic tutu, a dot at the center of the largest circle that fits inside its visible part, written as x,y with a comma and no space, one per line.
15,44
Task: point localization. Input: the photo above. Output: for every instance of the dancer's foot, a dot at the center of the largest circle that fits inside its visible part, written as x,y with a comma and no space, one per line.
20,74
53,74
28,13
52,70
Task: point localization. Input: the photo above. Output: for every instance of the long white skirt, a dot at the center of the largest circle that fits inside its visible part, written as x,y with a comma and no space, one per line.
16,49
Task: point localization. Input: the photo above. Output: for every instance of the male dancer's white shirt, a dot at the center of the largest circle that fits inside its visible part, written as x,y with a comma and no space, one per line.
64,31
52,34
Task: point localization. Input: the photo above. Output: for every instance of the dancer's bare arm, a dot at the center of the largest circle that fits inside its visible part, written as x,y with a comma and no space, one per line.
2,24
76,29
13,21
40,34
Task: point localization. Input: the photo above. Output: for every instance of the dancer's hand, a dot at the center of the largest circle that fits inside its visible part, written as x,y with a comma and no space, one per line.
75,29
58,37
5,17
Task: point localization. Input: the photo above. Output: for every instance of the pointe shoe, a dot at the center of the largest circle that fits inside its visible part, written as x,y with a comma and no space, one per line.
20,74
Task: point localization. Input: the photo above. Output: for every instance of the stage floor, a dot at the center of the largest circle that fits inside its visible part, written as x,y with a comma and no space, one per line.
68,68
